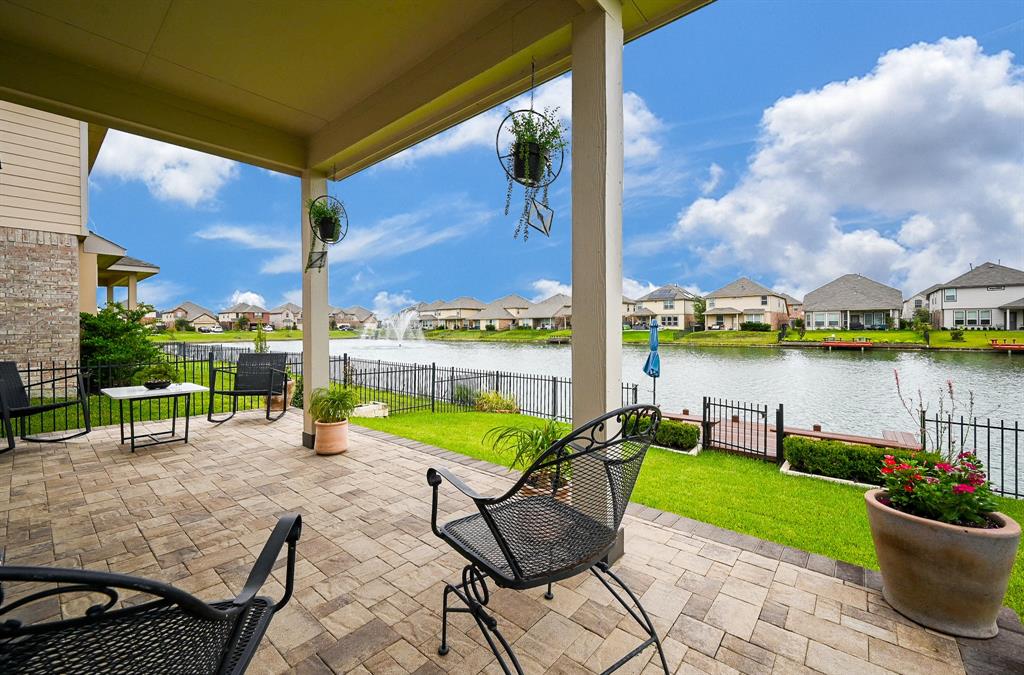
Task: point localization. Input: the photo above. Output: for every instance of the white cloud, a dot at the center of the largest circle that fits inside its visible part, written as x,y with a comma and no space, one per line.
255,237
631,288
930,140
160,293
545,288
171,173
248,297
715,173
641,126
388,304
293,296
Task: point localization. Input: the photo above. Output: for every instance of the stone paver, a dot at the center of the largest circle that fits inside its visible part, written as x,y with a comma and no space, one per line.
370,572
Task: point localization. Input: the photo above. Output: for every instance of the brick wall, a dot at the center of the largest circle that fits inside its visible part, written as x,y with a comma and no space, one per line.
38,296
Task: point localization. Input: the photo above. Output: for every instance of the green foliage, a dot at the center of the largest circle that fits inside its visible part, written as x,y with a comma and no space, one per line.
848,461
756,326
333,404
181,323
463,394
297,392
259,341
524,443
798,323
677,435
955,492
530,129
493,401
490,326
956,335
116,336
242,323
700,305
156,373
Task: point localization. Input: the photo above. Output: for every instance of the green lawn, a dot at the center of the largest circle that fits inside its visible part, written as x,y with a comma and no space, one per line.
513,335
731,338
877,336
975,339
745,495
239,335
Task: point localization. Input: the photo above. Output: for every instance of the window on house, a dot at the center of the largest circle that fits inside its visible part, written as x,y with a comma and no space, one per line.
985,317
711,303
667,321
917,304
764,299
818,319
950,295
833,319
758,318
972,317
668,304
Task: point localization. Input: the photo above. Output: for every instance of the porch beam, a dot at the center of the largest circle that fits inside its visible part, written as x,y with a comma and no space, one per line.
597,153
315,336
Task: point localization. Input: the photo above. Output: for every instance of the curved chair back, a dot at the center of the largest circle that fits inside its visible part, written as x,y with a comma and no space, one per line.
168,630
255,371
12,391
564,512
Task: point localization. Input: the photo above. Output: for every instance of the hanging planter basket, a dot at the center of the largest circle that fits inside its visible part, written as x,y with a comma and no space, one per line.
328,222
531,150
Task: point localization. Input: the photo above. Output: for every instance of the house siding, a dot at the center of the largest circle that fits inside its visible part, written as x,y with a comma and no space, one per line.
972,299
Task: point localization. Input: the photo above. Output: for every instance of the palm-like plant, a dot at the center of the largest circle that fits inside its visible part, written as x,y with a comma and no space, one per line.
332,404
524,443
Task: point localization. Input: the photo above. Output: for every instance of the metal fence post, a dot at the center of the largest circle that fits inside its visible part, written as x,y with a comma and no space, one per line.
924,433
344,370
433,386
705,425
780,436
554,397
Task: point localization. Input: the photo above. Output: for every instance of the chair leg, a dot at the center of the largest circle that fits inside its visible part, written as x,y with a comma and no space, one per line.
549,595
9,432
234,408
642,619
474,594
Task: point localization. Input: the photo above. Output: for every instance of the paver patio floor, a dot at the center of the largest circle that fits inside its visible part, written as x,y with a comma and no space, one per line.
369,576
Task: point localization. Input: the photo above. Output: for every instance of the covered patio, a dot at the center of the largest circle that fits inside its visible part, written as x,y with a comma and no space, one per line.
370,572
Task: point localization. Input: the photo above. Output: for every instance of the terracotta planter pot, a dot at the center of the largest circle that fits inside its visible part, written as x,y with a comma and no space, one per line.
277,402
331,438
562,494
946,577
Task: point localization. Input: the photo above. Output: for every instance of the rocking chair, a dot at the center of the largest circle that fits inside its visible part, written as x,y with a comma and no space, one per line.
15,404
560,519
255,374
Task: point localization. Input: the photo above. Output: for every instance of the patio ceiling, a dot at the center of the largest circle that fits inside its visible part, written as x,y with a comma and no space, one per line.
332,86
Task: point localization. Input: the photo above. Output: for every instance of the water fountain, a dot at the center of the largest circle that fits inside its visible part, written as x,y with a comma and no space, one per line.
400,327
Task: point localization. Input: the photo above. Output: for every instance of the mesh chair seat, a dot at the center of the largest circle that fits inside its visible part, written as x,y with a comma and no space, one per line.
569,542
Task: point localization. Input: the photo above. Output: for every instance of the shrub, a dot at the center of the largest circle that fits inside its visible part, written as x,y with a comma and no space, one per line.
956,335
490,326
677,435
493,401
756,326
848,461
955,492
297,392
798,322
116,336
157,372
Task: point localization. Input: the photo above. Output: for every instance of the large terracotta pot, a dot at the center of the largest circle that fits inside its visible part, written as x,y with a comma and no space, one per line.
331,438
946,577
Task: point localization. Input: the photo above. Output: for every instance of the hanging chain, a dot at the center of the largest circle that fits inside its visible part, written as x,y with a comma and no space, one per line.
533,80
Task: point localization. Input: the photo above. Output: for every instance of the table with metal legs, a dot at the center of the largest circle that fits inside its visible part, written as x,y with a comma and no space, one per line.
133,394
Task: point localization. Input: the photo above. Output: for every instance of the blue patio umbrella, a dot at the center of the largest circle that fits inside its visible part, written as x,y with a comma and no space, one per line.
652,367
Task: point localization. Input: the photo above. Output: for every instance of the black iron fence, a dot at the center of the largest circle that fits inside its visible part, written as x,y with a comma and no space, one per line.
740,427
998,443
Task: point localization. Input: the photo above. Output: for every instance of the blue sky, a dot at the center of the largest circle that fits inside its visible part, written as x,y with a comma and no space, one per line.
788,142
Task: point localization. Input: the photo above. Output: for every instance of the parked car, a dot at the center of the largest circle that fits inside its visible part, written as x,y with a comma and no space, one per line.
268,327
344,326
216,329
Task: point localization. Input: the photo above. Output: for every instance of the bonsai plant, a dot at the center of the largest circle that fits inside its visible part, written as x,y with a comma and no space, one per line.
331,407
944,552
526,444
157,376
325,214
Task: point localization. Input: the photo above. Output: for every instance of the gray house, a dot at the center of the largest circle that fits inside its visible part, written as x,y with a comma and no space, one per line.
853,301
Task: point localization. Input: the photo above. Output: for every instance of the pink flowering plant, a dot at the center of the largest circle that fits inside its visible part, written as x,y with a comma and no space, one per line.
955,492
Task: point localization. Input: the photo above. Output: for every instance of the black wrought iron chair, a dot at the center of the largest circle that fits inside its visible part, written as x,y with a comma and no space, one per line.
174,632
560,519
16,403
255,374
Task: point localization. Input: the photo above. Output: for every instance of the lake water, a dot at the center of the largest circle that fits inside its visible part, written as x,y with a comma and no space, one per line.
846,392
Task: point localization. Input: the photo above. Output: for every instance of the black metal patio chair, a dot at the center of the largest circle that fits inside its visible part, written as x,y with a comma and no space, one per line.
560,519
16,403
174,632
254,374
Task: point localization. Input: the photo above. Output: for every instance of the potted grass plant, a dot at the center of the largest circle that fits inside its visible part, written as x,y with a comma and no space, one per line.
534,139
331,407
525,444
157,376
325,214
944,552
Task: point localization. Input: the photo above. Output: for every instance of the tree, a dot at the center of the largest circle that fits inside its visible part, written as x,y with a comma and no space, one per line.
700,305
242,323
116,339
182,323
922,324
259,342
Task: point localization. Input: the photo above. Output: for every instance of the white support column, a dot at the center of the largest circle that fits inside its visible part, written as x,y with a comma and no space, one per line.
110,294
596,212
315,336
133,291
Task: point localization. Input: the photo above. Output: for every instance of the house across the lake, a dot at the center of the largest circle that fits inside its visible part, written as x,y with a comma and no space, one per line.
195,316
229,318
987,296
286,316
671,305
853,302
745,301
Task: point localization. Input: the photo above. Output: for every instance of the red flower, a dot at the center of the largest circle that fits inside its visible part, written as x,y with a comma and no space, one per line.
886,470
888,461
903,467
917,476
977,479
908,488
966,453
948,468
962,488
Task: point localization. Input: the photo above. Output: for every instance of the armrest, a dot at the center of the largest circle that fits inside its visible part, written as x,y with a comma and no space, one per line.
287,530
434,480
